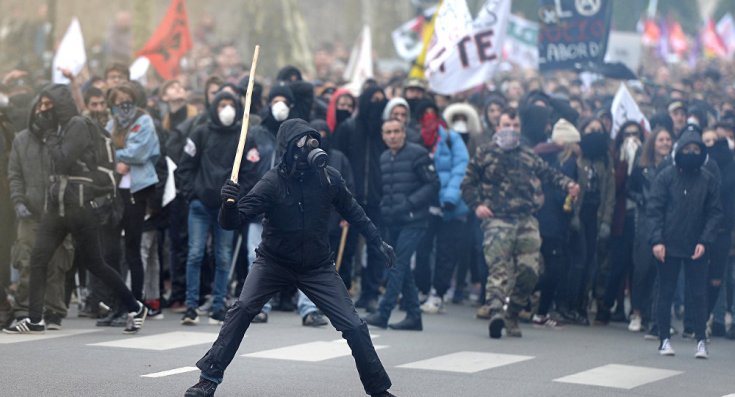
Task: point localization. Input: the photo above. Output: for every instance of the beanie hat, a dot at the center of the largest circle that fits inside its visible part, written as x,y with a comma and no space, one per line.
564,132
281,90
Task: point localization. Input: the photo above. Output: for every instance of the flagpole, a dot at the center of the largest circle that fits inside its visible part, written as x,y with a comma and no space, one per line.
245,120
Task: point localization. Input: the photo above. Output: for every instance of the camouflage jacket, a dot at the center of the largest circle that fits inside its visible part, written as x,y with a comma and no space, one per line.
509,183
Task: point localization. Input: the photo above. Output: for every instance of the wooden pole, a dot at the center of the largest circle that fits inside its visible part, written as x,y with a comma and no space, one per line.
341,250
245,120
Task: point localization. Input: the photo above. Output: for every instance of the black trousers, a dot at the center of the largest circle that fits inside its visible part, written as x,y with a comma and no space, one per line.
555,253
132,224
373,273
695,276
326,289
83,226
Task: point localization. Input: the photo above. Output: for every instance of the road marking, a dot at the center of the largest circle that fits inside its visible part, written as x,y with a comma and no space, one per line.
170,372
466,362
619,376
167,341
309,352
8,339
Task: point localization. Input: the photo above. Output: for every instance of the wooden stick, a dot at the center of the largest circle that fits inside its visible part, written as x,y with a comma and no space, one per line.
342,242
245,120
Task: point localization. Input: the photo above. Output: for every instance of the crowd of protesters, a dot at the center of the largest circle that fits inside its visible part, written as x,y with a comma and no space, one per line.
523,197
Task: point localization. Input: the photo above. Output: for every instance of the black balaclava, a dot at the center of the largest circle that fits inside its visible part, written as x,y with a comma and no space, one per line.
370,113
690,162
534,122
720,152
321,125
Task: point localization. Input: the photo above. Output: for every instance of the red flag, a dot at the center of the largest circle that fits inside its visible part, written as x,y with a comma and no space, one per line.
677,38
169,42
714,46
651,33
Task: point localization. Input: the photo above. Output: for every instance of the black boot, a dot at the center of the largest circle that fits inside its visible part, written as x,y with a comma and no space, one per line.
205,388
408,324
383,394
376,320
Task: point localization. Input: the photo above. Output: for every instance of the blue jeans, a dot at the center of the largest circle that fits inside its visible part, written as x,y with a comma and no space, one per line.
304,304
201,220
400,278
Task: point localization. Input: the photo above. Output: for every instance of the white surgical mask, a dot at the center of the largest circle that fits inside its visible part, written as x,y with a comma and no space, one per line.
280,111
731,143
460,126
227,116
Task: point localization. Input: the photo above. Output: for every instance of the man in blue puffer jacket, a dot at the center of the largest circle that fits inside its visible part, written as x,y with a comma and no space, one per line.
448,213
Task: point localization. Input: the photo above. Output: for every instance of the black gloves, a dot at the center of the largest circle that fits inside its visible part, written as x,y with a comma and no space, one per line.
388,254
230,193
22,212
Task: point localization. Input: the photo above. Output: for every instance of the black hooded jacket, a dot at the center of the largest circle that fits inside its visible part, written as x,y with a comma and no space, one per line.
360,139
684,206
208,156
296,207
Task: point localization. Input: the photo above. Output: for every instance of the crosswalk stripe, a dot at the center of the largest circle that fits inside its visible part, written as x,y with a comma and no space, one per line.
309,352
160,342
618,376
18,338
170,372
466,362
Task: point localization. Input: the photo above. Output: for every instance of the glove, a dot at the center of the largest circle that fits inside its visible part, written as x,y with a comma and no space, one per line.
449,207
388,254
22,212
604,233
230,191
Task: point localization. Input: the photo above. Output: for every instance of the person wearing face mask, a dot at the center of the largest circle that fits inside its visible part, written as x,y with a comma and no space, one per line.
718,151
359,138
464,119
206,162
628,142
448,212
75,185
656,149
502,186
596,177
296,199
685,213
137,150
340,109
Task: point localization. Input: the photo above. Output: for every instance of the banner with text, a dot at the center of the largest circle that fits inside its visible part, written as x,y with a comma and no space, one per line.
573,32
521,43
463,63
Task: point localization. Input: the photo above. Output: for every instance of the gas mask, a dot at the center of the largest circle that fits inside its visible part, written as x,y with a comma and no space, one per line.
307,154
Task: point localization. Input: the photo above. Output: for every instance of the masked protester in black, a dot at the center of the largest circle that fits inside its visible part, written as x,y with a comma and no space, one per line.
296,199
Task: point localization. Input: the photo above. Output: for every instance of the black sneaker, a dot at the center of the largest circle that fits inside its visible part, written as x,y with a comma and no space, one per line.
205,388
314,319
260,318
25,326
383,394
218,317
496,325
53,321
136,320
191,317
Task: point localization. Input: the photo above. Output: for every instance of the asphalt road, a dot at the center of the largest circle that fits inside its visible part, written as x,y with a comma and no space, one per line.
453,356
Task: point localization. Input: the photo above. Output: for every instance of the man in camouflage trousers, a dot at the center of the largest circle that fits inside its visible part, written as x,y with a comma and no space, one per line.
503,186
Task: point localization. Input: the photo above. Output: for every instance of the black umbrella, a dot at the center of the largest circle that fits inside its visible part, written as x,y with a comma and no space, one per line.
613,70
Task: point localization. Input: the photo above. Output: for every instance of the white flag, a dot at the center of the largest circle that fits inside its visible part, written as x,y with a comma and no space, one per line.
624,108
521,43
360,66
70,54
726,29
169,190
453,22
474,57
139,68
408,38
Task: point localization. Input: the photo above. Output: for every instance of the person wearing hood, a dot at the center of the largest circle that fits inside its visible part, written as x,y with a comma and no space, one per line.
627,147
463,119
137,150
76,184
503,187
359,138
340,162
414,91
341,107
718,254
303,91
555,216
596,176
685,213
448,212
296,199
398,108
537,124
29,168
206,162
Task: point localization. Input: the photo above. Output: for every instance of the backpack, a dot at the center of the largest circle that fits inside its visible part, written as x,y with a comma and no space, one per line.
106,204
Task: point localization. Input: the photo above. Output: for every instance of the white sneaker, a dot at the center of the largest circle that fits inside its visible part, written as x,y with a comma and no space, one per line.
665,349
701,350
433,305
635,323
728,321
